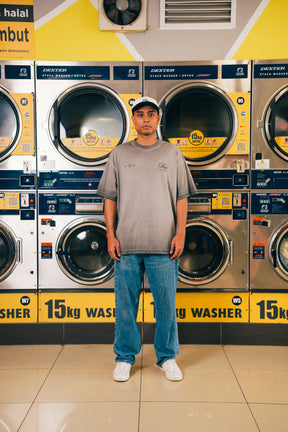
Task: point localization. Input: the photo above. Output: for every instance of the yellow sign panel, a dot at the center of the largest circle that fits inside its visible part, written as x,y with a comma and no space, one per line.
128,100
25,145
205,307
17,29
18,308
282,142
241,102
269,308
197,145
223,201
9,201
78,307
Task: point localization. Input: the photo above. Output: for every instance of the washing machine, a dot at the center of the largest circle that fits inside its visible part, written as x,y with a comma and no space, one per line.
206,113
215,255
17,147
72,242
269,133
83,112
18,241
269,241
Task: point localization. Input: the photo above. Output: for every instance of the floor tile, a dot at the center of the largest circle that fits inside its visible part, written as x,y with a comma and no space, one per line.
88,417
70,385
264,386
89,357
21,386
207,385
271,417
28,356
258,357
192,356
200,417
12,415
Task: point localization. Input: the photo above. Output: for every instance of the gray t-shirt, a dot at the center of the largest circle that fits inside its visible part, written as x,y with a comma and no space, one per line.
146,182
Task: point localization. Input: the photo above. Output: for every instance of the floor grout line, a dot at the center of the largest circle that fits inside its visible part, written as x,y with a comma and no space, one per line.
240,387
42,385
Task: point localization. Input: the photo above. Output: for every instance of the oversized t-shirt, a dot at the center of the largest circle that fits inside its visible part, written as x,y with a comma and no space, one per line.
146,182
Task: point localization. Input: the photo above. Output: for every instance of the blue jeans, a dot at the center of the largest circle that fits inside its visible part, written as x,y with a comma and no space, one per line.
162,275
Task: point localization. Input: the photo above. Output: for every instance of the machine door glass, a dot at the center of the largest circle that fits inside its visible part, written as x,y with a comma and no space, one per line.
276,124
279,252
10,126
87,123
201,121
206,253
8,252
82,253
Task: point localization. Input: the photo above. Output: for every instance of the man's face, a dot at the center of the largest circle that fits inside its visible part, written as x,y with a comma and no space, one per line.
146,120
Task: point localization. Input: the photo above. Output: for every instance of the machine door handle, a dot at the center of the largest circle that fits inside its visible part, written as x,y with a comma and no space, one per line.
274,258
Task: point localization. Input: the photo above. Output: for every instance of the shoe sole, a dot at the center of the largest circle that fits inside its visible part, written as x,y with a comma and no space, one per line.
172,379
121,379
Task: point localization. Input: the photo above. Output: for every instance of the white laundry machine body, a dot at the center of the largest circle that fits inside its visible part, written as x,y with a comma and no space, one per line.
83,112
72,243
215,256
18,241
206,113
17,146
269,241
269,125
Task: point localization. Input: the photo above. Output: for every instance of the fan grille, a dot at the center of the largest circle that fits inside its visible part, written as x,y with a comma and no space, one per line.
122,12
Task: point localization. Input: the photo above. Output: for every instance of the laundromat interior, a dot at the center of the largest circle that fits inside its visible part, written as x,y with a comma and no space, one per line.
69,74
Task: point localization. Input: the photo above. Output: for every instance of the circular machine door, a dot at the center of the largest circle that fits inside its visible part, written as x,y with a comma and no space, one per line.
87,122
276,124
10,125
206,253
8,252
279,251
201,120
82,252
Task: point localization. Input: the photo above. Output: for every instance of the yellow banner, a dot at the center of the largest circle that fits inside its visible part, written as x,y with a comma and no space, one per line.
205,307
269,308
78,307
18,308
17,29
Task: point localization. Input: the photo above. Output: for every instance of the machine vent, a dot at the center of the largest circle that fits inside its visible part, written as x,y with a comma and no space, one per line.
122,15
197,14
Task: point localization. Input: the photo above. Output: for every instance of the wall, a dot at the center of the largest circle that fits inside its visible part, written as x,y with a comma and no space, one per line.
68,30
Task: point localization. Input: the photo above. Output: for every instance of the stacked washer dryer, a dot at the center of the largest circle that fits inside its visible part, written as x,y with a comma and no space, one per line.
206,113
18,241
269,176
83,112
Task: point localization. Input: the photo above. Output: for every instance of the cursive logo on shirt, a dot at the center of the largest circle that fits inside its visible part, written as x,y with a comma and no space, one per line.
162,166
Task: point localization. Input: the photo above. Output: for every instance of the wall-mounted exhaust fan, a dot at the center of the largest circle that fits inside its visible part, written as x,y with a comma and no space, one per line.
123,15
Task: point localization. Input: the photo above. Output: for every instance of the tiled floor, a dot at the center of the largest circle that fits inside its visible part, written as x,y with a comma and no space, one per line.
70,389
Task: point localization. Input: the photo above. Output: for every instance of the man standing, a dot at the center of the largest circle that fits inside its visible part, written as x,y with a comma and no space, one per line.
145,184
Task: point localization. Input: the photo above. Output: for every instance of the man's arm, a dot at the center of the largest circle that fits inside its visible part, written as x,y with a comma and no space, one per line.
178,241
110,212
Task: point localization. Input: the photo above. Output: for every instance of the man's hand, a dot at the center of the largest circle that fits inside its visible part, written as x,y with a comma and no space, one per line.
113,247
177,245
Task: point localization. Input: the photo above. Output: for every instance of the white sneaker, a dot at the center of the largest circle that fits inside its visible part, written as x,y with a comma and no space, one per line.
172,370
122,371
